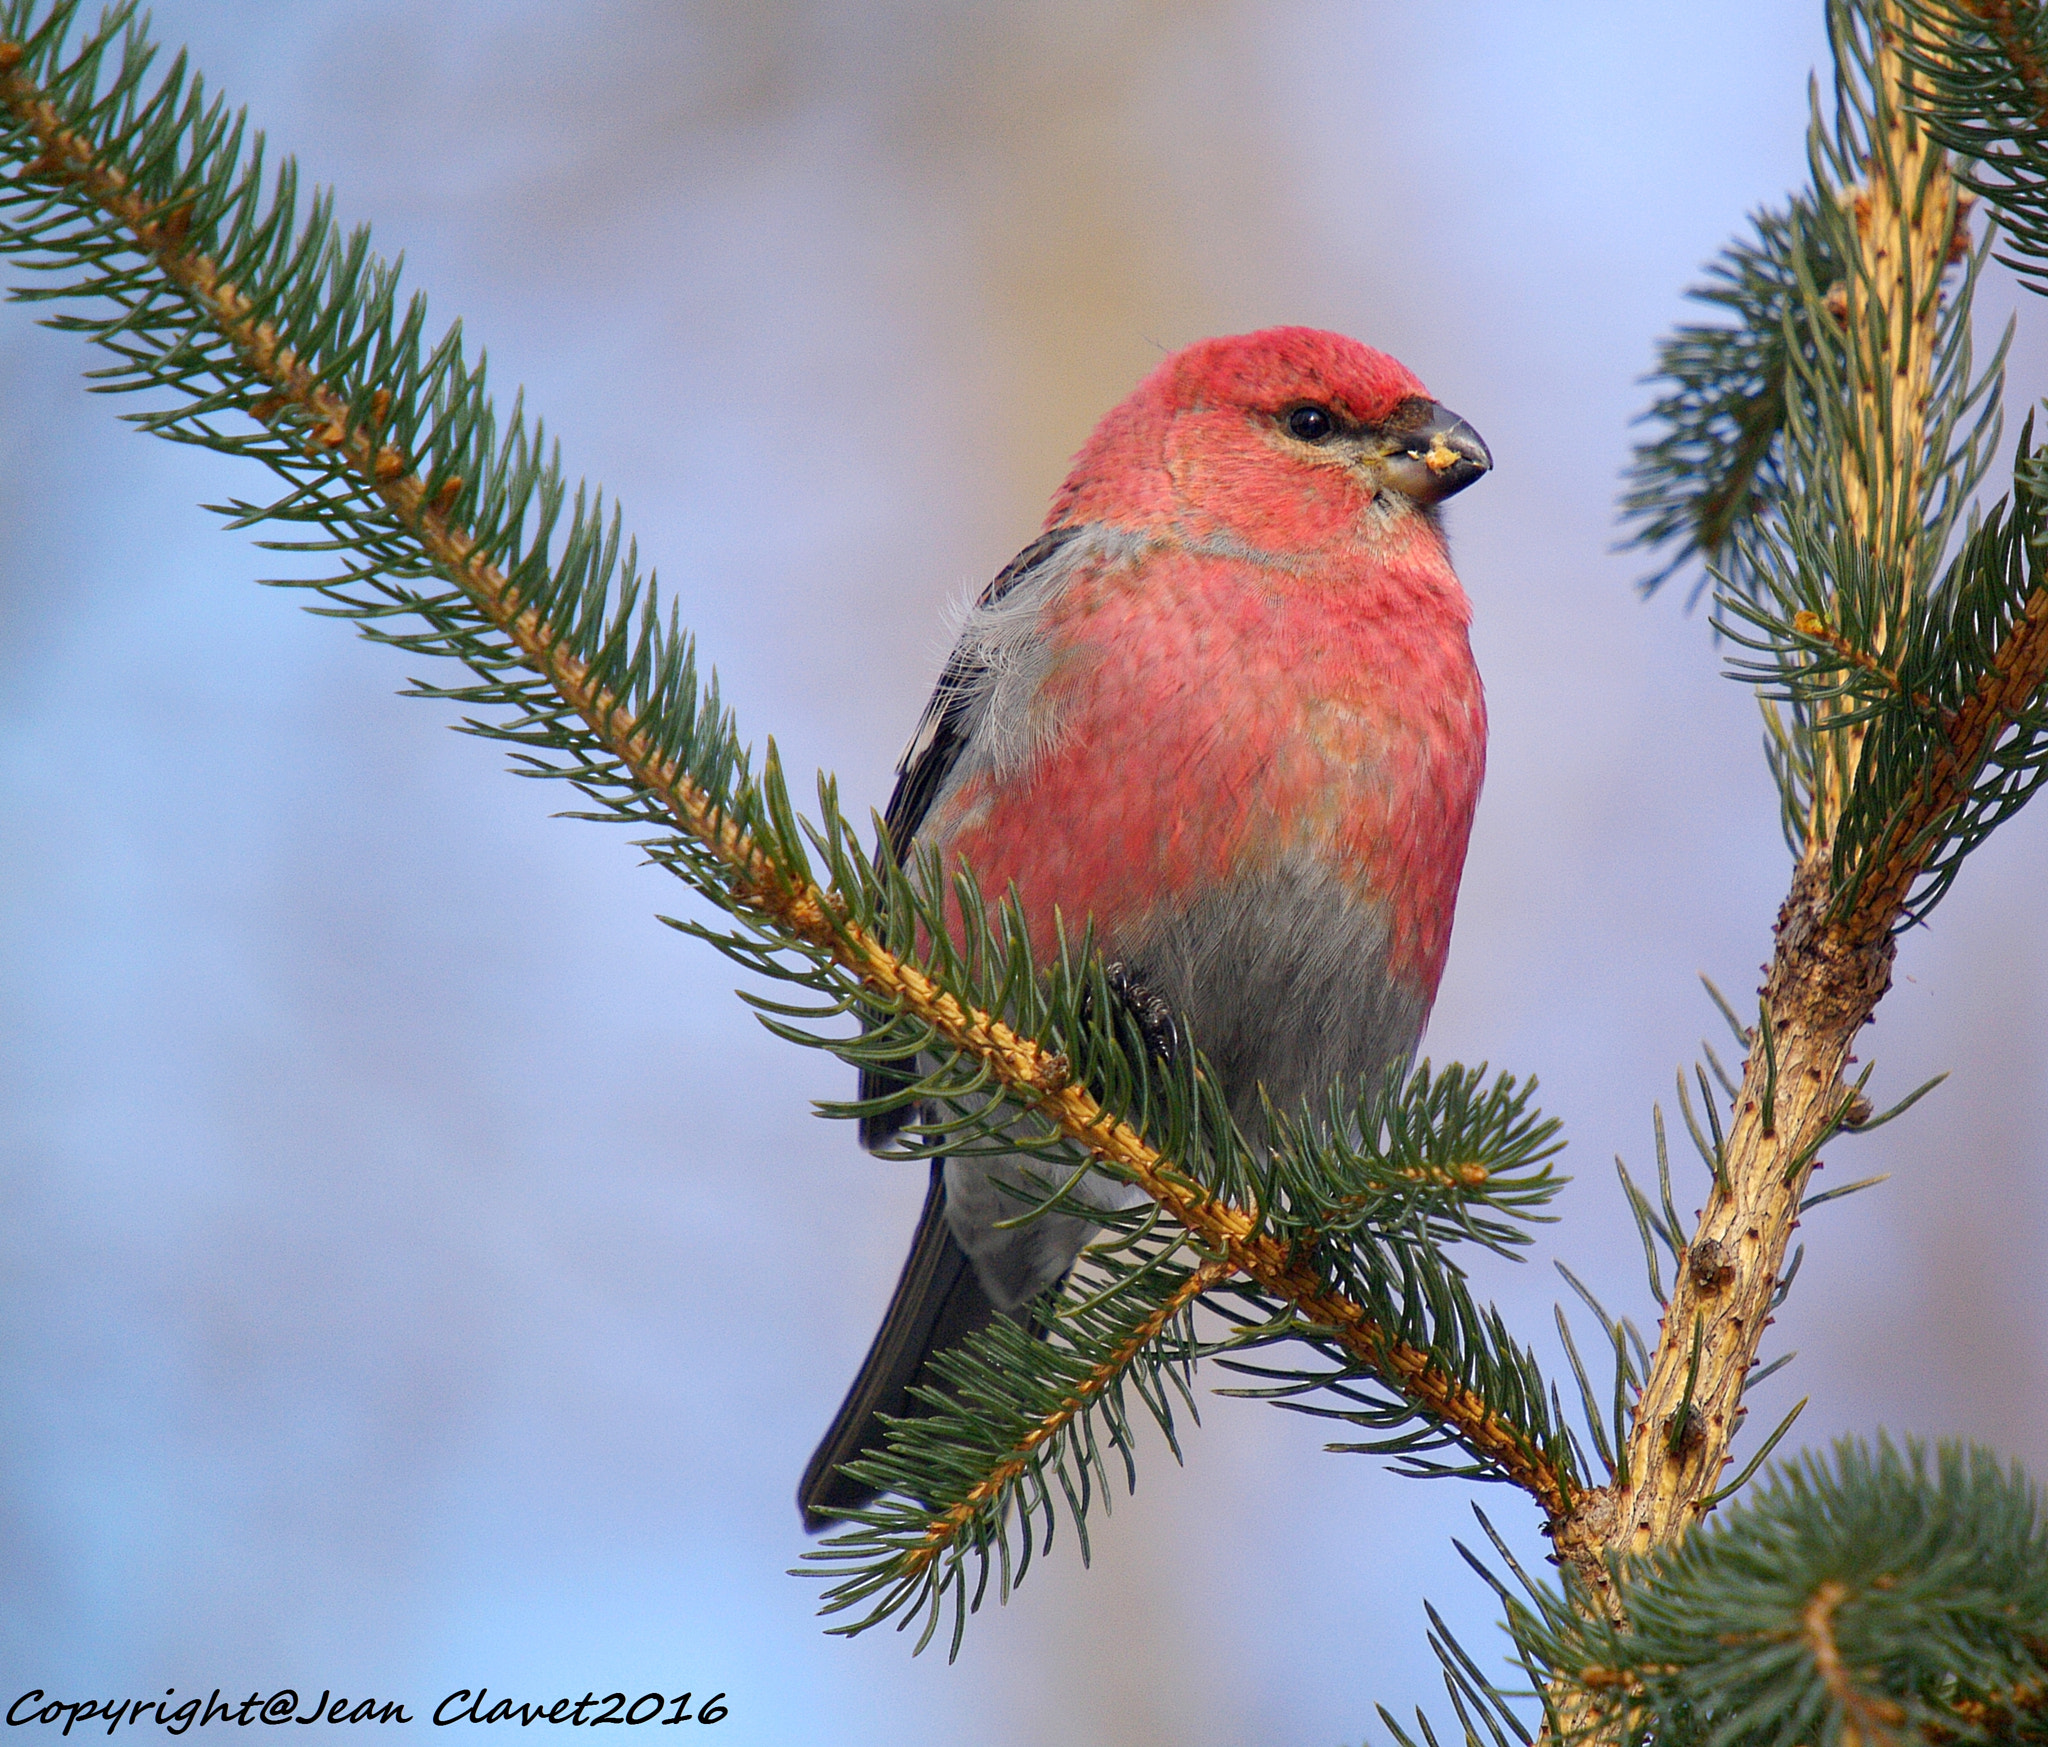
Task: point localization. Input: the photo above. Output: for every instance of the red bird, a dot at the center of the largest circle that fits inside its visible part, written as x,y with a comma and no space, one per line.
1225,706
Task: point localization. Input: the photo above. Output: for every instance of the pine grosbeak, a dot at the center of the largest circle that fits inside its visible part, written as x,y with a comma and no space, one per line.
1225,707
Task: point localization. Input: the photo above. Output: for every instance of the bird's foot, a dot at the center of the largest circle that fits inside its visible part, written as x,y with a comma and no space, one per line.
1156,1021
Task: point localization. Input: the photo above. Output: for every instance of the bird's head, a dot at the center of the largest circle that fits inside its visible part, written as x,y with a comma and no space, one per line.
1286,440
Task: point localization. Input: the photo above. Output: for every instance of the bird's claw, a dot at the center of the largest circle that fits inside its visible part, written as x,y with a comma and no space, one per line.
1156,1021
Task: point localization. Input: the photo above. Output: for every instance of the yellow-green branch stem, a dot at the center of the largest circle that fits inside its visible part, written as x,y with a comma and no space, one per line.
1831,963
754,880
940,1533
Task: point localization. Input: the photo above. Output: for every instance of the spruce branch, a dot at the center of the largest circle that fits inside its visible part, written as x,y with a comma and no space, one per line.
1903,703
1715,468
350,435
1024,1420
1983,66
462,541
941,1531
1865,1717
917,1548
1876,1595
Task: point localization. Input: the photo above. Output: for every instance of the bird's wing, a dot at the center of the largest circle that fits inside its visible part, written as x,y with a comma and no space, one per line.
948,720
943,732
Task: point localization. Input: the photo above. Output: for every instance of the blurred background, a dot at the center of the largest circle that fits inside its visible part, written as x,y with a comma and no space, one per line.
420,1273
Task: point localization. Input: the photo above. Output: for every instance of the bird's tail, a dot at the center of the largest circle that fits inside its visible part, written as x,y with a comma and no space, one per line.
938,1303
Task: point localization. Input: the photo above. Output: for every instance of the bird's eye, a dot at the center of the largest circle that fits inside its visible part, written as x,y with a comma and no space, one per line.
1310,423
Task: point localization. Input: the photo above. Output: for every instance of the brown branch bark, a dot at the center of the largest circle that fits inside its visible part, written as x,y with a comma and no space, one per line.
293,392
1822,985
1830,965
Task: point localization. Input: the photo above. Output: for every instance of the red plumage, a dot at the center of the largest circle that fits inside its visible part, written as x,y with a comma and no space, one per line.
1314,687
1225,709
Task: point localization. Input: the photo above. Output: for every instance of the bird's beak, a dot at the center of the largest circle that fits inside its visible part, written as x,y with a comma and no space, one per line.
1438,453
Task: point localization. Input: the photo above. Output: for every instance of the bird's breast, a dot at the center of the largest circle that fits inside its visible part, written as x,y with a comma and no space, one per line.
1205,726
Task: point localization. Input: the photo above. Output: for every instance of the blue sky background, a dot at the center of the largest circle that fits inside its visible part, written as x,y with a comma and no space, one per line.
417,1269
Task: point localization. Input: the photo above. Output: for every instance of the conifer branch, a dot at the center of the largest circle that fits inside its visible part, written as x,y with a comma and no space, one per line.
1872,1596
756,881
1986,99
2004,696
1811,624
1863,459
2003,1716
1999,18
1908,716
1867,1720
1715,470
1908,719
617,713
947,1526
